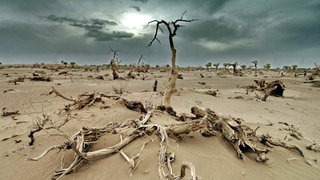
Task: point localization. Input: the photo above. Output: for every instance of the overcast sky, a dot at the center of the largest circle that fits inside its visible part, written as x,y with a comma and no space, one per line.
280,32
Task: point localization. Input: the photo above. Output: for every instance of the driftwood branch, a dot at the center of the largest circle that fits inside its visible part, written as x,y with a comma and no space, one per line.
59,147
129,160
282,144
146,117
54,91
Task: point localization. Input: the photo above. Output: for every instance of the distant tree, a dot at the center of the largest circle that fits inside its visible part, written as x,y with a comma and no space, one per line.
287,68
167,65
0,63
172,27
216,66
64,63
267,66
294,68
72,64
234,67
209,64
255,63
243,67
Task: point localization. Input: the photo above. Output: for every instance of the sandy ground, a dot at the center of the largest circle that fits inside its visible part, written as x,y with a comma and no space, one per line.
213,157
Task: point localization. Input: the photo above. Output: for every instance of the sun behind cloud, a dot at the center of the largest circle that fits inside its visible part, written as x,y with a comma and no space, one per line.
134,21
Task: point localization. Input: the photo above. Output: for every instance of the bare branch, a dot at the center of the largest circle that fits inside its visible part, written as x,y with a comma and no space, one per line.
168,24
183,14
46,152
115,52
156,33
60,95
129,160
139,60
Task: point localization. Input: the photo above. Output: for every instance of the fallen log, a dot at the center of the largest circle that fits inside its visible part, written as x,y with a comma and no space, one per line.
41,78
133,105
9,113
274,88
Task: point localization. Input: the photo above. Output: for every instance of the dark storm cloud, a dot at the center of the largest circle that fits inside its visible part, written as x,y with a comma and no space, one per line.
95,28
264,29
82,23
103,22
106,36
62,19
136,8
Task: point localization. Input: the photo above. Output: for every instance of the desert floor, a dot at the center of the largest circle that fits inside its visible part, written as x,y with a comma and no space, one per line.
213,157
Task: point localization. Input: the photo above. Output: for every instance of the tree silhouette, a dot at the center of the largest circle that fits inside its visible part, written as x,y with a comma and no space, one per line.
234,67
267,66
243,67
255,63
209,64
172,27
294,68
73,64
216,66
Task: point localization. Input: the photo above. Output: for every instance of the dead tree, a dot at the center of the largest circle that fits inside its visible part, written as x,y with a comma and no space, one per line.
172,27
155,85
113,64
216,66
235,71
255,66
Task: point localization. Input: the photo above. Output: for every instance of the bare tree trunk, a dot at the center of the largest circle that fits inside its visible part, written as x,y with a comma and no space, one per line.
114,69
171,84
255,69
155,85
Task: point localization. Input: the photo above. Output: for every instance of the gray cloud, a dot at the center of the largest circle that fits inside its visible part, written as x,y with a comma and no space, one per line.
136,8
106,36
103,22
82,23
270,31
96,28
